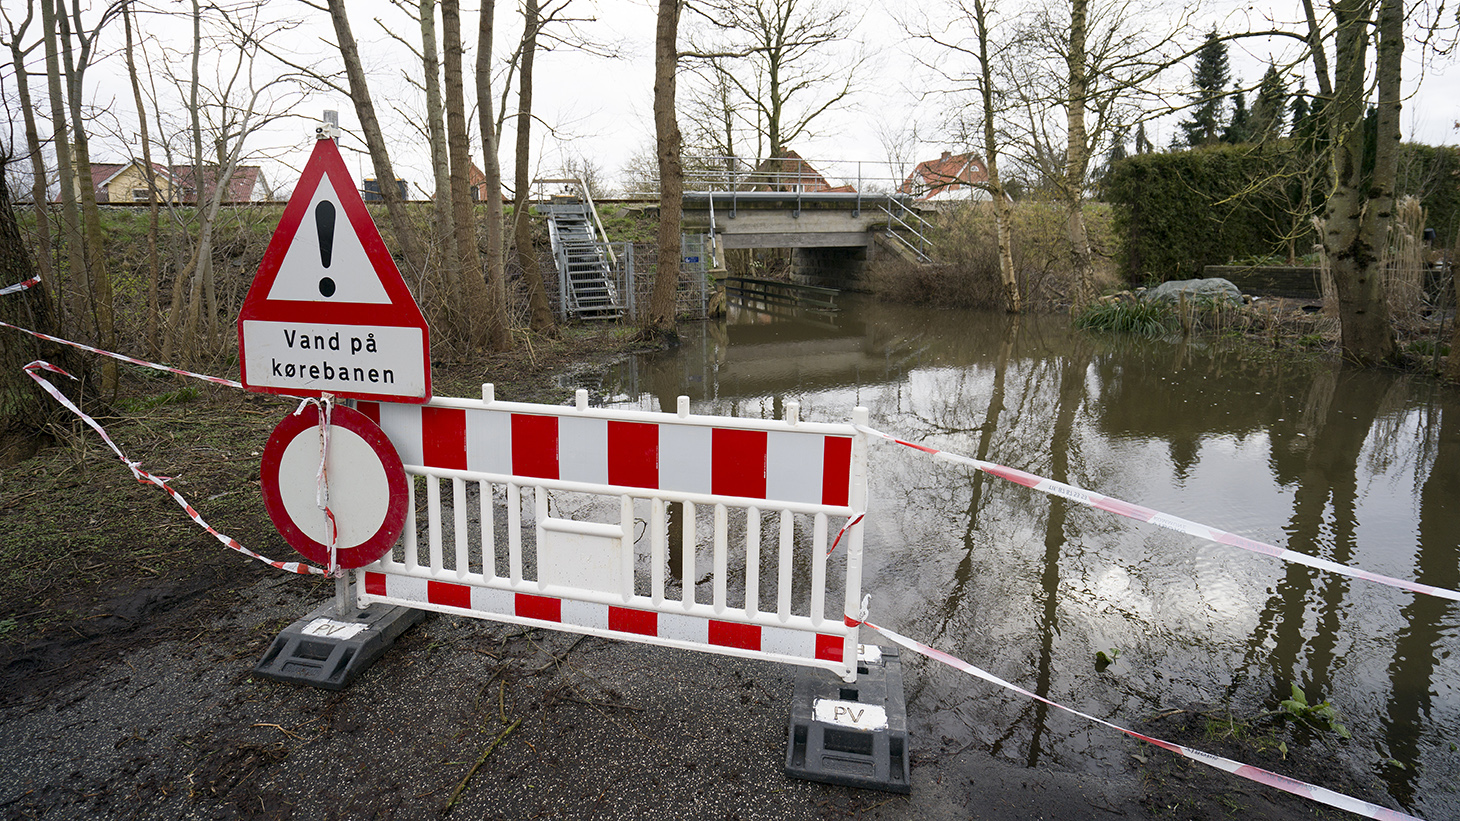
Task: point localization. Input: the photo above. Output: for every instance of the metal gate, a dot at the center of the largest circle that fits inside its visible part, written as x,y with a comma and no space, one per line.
697,532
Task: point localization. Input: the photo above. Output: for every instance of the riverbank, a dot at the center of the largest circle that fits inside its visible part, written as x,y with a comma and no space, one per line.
129,636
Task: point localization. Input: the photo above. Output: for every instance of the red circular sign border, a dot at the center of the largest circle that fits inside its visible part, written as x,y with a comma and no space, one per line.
358,423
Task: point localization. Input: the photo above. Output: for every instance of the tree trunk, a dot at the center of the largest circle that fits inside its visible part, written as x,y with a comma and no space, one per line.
1360,208
375,140
1077,160
498,339
98,279
22,405
436,129
1002,213
470,286
671,170
150,342
37,159
61,144
541,314
187,326
1452,363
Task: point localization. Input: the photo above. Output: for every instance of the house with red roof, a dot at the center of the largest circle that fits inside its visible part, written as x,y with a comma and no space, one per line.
950,178
789,172
133,182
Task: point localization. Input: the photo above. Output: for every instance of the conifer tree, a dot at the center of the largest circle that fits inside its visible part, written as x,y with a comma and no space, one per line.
1238,129
1270,109
1208,97
1143,143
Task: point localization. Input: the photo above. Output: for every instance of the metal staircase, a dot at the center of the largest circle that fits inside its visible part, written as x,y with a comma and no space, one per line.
585,263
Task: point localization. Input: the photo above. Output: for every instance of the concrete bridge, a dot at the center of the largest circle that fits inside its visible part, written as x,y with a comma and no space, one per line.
832,234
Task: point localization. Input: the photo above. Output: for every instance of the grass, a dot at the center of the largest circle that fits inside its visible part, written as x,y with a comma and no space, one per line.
1149,320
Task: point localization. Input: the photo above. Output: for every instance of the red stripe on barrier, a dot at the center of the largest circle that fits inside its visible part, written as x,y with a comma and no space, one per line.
539,607
535,445
370,409
640,622
633,454
443,437
737,463
448,594
829,648
375,584
730,634
836,470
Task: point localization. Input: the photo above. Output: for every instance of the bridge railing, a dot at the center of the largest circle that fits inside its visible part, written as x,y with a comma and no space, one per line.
792,174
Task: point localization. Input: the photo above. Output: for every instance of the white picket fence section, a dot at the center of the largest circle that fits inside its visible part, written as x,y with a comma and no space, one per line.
565,518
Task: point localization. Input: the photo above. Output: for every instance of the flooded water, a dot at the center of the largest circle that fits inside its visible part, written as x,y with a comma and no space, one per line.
1360,468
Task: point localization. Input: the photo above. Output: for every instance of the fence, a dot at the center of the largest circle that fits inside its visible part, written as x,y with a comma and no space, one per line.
546,505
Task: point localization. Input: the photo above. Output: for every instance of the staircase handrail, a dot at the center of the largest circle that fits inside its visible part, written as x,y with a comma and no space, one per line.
592,209
927,226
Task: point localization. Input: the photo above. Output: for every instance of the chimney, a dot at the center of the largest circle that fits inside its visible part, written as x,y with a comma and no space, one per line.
946,155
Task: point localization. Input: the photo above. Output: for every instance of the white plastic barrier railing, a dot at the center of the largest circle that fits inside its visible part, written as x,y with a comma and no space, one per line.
561,517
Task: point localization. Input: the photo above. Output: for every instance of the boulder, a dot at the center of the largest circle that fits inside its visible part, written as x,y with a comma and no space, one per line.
1215,289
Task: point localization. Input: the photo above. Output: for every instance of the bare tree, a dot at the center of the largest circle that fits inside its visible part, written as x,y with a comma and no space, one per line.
436,128
498,336
84,239
359,92
466,269
781,59
38,196
1081,77
223,111
977,14
150,341
540,313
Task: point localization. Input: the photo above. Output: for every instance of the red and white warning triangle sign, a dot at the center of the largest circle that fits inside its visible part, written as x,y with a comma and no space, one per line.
328,311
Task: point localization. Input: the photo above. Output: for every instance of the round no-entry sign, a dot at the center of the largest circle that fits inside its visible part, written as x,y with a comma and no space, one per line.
367,486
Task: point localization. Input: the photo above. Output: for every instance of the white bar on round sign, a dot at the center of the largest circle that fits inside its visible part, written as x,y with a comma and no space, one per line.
364,359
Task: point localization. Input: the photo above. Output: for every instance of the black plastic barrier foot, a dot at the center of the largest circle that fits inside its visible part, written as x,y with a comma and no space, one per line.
855,734
326,651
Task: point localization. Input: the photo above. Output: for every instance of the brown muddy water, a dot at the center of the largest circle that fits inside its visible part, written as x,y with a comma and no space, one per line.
1357,467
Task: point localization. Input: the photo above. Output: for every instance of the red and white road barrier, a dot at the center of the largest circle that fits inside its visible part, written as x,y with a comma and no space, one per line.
747,492
1237,768
1155,517
148,478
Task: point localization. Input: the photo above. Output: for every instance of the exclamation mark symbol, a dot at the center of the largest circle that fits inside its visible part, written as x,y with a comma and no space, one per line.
324,223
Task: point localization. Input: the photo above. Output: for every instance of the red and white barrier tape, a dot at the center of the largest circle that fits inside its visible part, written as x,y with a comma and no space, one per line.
852,522
1237,768
20,286
325,404
161,481
217,380
1155,517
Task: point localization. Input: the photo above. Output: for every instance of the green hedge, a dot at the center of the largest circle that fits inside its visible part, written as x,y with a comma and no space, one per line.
1178,212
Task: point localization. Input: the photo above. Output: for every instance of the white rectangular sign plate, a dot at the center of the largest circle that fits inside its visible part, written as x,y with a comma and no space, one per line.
380,360
327,628
852,714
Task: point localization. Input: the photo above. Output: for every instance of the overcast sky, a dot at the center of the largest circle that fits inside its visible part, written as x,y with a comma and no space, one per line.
600,108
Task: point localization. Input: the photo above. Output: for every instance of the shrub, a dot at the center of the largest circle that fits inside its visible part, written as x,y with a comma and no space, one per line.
966,271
